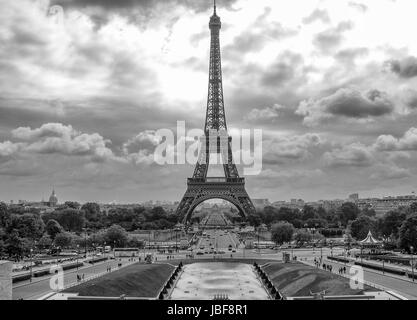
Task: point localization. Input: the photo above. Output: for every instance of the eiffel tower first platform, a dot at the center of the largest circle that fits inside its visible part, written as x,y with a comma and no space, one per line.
216,140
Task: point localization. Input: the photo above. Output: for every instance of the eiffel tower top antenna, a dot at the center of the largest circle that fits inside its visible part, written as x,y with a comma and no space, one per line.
215,7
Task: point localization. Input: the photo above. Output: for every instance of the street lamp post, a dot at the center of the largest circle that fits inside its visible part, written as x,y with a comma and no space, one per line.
383,261
78,246
258,242
114,249
85,242
412,261
31,261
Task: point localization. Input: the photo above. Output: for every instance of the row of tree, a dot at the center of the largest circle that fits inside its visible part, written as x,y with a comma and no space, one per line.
23,229
397,228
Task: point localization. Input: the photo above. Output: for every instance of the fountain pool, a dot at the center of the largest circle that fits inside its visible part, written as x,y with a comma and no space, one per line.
202,281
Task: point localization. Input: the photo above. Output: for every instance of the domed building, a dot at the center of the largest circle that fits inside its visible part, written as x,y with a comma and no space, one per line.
53,200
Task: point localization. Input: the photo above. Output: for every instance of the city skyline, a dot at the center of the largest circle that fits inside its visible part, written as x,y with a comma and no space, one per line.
85,85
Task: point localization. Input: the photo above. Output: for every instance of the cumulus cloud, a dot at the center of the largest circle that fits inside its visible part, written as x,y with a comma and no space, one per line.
140,149
268,113
285,68
405,68
406,143
8,148
348,103
350,55
290,148
390,172
321,15
353,155
56,138
410,99
331,38
257,35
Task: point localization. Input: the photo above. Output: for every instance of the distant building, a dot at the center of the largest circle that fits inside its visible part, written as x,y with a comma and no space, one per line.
386,204
354,197
53,199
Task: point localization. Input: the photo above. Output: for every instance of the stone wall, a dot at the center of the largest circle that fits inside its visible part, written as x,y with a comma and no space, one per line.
5,280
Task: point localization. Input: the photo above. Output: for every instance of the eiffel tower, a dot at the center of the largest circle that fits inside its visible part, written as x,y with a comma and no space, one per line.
216,140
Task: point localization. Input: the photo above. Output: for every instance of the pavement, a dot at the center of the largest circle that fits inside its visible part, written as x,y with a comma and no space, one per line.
41,286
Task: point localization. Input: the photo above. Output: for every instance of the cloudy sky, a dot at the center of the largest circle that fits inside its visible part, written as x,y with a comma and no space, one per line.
84,85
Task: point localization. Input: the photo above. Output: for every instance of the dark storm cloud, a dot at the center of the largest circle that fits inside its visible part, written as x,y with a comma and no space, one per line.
333,37
353,105
317,14
347,103
374,103
405,68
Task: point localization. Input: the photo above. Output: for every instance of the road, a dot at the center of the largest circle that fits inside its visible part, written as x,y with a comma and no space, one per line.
41,286
406,288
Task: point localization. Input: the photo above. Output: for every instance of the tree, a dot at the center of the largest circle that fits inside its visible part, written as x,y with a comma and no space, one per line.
53,228
316,223
254,220
348,212
27,225
116,235
92,211
368,212
303,236
413,207
72,205
282,232
390,224
63,240
134,242
158,213
408,233
360,227
71,219
45,241
4,215
308,213
16,246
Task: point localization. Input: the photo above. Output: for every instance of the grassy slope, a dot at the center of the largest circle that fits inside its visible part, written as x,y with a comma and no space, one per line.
297,279
138,280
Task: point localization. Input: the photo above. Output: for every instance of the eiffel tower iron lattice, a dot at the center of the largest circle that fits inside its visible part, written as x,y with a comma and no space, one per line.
216,140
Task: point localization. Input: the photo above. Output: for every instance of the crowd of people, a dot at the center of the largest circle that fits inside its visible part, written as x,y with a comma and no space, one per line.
328,267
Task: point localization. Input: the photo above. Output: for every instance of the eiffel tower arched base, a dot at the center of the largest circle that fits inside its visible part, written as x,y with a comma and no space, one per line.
200,190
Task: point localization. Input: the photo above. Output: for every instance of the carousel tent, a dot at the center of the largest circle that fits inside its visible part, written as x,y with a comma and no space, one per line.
370,240
370,245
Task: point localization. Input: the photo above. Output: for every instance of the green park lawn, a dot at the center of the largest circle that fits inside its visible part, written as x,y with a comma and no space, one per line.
138,280
296,280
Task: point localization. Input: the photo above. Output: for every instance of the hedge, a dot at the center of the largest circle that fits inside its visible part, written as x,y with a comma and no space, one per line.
344,260
380,268
96,260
